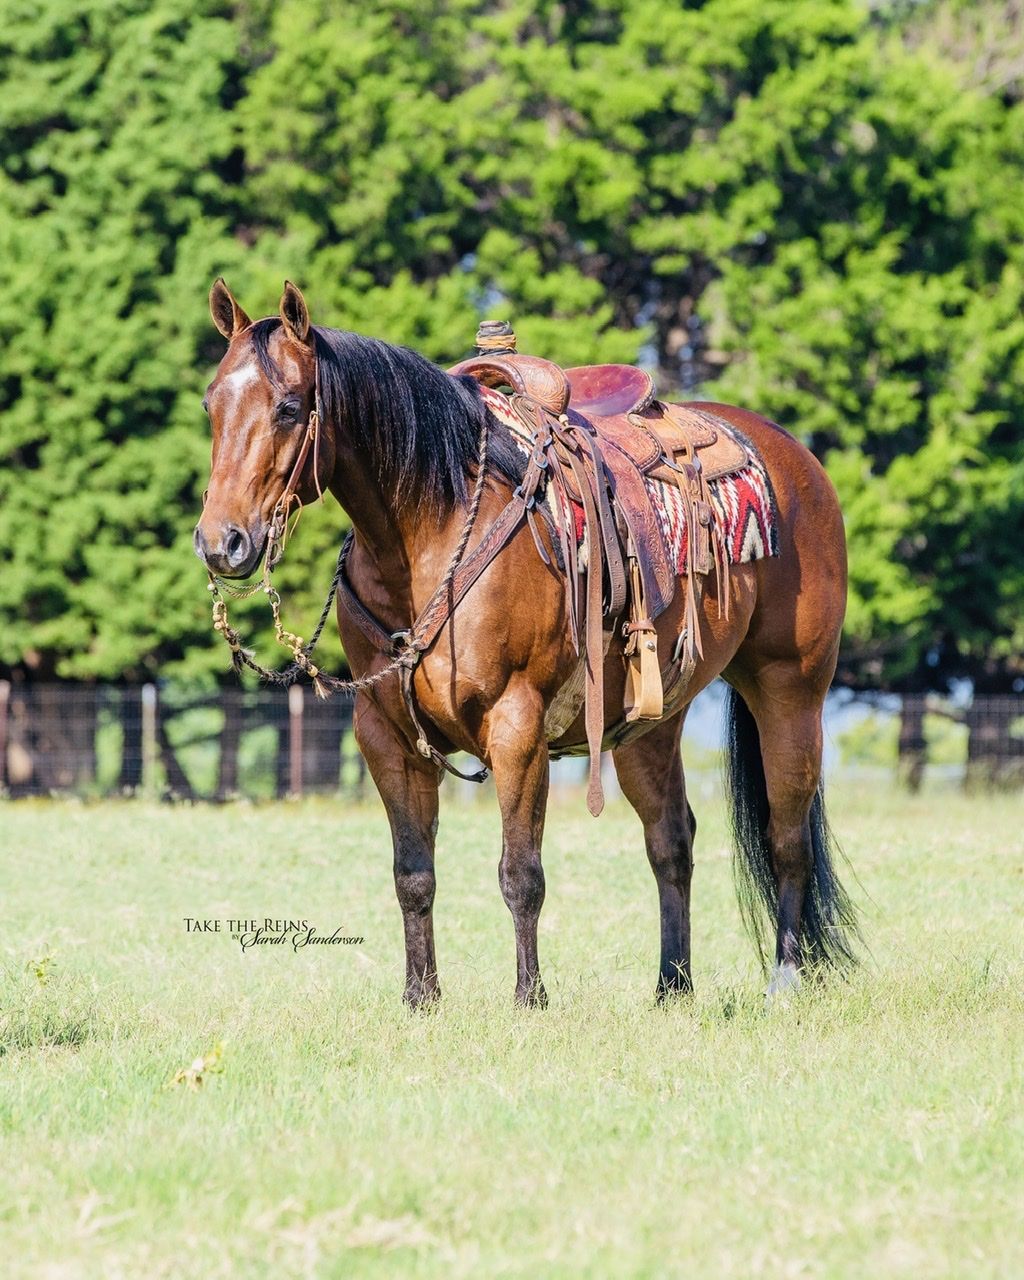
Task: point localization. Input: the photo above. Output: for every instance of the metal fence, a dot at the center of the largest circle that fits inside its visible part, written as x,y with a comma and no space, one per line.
174,742
976,742
167,741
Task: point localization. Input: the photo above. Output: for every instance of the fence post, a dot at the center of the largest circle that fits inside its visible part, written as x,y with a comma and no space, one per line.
149,743
129,779
5,702
230,736
295,701
912,746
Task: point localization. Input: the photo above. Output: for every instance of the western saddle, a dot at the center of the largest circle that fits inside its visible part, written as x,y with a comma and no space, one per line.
596,436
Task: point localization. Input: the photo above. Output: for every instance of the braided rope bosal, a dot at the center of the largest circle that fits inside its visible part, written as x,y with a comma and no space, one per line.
324,685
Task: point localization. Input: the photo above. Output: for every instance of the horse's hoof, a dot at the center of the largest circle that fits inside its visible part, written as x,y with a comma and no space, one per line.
785,978
533,996
422,997
667,992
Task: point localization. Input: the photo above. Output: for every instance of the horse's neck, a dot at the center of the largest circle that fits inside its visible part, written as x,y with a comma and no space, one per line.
399,559
394,555
358,491
397,563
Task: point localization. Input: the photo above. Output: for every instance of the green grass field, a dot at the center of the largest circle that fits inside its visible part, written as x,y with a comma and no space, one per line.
873,1129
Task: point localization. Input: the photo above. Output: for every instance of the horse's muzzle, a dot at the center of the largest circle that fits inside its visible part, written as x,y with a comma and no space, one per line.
233,553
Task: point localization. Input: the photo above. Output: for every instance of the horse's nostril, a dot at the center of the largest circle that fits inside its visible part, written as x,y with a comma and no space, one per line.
236,544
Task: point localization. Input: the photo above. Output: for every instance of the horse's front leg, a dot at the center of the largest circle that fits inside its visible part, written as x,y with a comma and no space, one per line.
408,786
519,757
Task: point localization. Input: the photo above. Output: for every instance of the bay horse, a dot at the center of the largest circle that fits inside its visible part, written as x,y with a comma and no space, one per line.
397,445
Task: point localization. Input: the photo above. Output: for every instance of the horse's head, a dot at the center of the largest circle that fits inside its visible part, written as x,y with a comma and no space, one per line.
259,404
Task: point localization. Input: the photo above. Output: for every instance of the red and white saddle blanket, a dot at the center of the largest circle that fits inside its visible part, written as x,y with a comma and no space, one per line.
744,508
743,502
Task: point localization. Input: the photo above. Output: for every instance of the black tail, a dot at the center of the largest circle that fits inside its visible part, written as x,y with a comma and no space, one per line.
829,925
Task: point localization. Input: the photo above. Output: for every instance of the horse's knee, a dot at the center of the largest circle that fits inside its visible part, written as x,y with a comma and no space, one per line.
521,878
414,881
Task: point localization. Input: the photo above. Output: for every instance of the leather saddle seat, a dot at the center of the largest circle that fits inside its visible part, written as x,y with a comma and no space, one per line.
606,390
612,398
594,390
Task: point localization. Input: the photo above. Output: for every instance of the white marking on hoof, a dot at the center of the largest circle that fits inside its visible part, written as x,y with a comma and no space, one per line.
785,978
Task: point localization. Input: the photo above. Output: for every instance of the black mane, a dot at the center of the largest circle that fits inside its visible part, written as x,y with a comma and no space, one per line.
421,426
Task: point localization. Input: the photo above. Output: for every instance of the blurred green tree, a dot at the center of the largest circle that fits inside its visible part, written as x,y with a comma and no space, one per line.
789,203
117,173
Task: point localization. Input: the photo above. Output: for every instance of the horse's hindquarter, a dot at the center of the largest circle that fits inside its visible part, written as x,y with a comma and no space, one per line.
800,592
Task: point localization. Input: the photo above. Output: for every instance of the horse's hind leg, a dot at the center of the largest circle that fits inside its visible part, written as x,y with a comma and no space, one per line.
518,755
650,772
776,751
791,756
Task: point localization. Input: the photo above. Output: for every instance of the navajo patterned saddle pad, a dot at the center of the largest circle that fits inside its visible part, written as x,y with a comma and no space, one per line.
744,503
744,507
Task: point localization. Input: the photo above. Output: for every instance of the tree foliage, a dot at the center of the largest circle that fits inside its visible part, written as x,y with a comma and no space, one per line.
116,201
787,203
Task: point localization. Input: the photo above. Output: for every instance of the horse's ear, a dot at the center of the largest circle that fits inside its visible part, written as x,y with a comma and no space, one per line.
227,315
294,312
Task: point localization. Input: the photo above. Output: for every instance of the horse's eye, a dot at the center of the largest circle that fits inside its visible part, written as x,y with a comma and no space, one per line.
288,411
206,406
